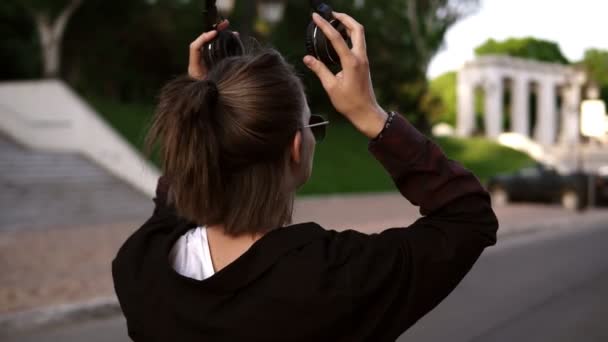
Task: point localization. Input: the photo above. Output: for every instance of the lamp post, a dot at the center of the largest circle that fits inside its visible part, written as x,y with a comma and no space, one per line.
359,4
271,11
593,121
225,6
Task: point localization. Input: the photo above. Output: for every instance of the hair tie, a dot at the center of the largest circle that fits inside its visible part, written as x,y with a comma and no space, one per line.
212,92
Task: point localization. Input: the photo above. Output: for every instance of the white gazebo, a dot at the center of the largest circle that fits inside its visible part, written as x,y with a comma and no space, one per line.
490,73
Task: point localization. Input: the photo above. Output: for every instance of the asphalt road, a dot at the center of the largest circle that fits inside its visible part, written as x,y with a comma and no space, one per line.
547,286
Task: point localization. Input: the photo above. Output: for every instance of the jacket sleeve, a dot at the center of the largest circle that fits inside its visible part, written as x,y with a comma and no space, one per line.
397,276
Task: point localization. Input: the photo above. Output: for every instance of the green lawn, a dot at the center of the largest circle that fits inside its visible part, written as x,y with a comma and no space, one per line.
484,157
342,163
130,120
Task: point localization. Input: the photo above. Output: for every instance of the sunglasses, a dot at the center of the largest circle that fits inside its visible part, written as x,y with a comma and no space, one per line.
318,126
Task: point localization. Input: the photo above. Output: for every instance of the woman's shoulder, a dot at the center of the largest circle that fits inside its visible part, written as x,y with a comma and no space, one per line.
310,231
311,237
152,234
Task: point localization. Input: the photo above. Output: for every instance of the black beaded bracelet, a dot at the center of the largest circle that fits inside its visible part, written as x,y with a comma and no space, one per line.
388,122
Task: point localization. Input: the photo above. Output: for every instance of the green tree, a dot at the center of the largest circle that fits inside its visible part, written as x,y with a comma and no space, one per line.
126,49
402,37
529,47
50,18
444,87
595,62
18,43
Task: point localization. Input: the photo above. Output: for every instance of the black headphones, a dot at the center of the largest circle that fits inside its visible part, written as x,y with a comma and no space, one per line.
228,44
317,44
225,44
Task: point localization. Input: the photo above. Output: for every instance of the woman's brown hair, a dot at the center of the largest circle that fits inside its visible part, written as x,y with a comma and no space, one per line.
225,142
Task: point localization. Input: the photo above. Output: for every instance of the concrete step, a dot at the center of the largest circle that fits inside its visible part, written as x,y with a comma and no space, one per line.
48,189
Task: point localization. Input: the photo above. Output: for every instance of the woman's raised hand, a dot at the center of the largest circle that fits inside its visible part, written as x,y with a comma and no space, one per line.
196,67
350,91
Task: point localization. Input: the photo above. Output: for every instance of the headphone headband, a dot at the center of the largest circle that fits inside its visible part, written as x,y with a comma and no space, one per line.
210,15
322,8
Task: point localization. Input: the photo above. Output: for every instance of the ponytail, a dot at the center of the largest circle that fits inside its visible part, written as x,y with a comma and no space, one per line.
225,142
185,128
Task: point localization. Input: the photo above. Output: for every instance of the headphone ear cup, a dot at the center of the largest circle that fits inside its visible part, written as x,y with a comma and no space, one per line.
325,49
331,53
316,43
310,48
320,47
229,45
226,44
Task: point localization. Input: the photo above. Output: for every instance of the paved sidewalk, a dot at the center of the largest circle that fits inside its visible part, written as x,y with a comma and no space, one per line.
47,268
374,212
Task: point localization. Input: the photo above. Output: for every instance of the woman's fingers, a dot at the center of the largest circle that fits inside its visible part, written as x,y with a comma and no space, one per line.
195,67
326,77
198,43
356,32
205,37
334,37
224,24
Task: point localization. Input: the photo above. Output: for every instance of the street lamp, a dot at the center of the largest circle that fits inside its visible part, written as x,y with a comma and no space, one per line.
271,11
225,6
359,4
593,121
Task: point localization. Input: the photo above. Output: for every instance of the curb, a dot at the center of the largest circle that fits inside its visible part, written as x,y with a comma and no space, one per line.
59,314
550,226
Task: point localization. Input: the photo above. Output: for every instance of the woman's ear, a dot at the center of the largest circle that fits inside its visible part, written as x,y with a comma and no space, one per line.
296,146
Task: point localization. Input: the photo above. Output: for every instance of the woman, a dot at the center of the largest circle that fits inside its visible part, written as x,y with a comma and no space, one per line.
217,260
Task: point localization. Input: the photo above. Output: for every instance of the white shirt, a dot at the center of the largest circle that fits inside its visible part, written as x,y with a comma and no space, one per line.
190,255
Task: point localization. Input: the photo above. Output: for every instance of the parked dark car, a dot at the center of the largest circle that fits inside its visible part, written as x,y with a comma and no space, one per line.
544,183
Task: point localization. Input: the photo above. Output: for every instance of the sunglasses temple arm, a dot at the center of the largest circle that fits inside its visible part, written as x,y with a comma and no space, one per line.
318,124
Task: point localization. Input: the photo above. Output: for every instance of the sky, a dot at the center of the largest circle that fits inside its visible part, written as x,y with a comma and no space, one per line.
575,25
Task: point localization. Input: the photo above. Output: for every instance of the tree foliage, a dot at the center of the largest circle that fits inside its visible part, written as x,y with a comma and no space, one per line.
399,48
444,87
595,62
529,47
126,49
51,8
51,17
18,43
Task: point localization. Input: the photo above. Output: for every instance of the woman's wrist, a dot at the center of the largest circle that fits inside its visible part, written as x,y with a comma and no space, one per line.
374,122
385,128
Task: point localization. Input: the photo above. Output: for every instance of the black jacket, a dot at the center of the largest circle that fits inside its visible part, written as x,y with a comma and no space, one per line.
306,283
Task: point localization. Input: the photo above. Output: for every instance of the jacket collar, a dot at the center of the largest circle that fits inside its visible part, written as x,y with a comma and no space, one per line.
264,252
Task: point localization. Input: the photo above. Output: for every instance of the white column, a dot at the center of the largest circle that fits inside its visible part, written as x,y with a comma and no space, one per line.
570,114
466,106
520,117
493,106
545,133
